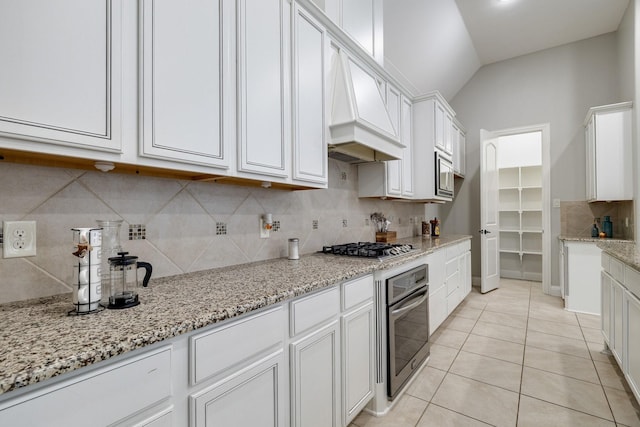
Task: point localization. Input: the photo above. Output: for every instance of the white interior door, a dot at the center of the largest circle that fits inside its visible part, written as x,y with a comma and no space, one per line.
489,232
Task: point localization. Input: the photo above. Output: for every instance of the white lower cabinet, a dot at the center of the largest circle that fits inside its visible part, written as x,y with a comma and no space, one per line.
618,321
306,362
632,341
606,299
358,361
621,317
449,281
315,378
580,277
101,397
252,397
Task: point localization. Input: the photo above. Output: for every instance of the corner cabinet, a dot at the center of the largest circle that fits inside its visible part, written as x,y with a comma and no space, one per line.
60,78
187,100
263,82
608,136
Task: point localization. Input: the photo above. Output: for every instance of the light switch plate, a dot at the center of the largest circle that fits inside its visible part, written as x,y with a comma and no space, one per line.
556,203
19,239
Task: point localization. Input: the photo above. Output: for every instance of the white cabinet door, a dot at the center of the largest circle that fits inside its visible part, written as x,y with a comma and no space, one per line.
440,114
264,106
437,307
632,340
394,167
406,137
358,22
608,135
253,397
315,379
617,336
448,129
60,79
606,299
462,153
310,115
358,362
187,100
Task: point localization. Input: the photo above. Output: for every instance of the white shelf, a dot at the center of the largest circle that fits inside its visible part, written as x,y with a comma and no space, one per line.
520,216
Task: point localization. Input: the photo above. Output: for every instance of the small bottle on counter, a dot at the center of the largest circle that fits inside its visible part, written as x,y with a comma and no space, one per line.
435,227
594,230
607,226
293,248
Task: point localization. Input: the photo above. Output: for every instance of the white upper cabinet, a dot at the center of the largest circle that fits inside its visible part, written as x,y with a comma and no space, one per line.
608,137
264,107
187,101
459,142
60,78
432,129
392,178
443,126
394,167
406,137
310,70
361,20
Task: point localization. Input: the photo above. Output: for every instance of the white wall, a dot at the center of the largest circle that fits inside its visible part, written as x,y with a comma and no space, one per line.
555,86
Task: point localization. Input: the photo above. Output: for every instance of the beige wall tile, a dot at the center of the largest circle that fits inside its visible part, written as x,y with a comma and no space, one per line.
180,219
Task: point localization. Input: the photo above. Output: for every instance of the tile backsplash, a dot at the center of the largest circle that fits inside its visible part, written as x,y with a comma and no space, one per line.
576,218
178,226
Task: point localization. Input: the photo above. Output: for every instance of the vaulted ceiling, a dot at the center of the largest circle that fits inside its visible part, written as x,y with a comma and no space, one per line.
440,44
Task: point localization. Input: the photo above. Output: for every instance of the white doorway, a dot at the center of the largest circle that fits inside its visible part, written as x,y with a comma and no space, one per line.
522,247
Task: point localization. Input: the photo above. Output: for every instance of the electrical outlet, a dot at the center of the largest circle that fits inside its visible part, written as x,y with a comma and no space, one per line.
19,239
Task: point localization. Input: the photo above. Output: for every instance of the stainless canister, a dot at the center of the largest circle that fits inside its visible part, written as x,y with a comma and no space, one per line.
293,248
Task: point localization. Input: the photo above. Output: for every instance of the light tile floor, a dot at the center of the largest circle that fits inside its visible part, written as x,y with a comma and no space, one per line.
515,357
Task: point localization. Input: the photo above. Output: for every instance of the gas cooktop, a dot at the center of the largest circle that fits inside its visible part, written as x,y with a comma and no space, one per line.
368,249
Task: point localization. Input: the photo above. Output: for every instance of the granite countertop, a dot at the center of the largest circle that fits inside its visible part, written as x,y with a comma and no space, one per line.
627,252
42,341
592,239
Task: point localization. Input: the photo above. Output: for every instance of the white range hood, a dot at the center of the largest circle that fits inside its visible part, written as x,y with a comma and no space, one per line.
361,128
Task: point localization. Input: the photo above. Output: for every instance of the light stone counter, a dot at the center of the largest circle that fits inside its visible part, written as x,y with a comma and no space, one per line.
39,340
591,239
627,252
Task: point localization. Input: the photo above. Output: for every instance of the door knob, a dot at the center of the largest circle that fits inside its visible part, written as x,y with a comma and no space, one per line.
483,231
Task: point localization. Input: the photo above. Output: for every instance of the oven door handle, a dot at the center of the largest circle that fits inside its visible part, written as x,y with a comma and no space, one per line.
421,297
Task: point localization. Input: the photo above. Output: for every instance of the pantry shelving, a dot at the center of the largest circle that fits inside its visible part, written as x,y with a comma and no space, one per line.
520,215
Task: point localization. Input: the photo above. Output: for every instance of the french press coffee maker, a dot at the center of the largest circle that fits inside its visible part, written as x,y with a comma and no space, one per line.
123,272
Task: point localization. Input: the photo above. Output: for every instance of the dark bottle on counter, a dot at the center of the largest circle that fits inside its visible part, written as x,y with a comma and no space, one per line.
594,230
435,227
607,226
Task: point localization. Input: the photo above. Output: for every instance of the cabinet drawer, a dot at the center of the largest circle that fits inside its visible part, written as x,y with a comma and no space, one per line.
313,310
453,251
451,267
101,397
632,281
616,269
215,351
356,292
604,262
465,246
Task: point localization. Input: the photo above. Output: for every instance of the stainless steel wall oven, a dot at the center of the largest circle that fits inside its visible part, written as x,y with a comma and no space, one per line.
407,326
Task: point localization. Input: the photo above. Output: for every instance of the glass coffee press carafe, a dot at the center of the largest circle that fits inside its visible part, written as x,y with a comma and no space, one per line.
110,248
123,273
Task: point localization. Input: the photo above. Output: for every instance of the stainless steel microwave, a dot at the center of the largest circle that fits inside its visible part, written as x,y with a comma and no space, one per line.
444,175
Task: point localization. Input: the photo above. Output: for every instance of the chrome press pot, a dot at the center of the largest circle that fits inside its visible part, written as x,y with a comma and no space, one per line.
123,285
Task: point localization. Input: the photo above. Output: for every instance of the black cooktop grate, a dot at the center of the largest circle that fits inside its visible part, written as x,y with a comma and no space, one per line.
367,249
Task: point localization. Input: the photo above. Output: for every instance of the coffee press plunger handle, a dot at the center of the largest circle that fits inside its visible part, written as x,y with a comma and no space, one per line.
147,274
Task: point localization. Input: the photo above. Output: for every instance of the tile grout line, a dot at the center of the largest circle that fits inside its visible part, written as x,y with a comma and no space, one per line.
524,352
